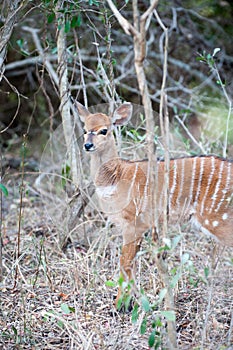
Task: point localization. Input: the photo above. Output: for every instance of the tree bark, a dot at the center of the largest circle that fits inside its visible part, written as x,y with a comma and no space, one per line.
7,29
68,123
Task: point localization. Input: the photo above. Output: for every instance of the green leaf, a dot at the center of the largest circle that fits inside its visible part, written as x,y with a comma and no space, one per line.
176,240
157,323
157,345
175,279
4,190
145,303
67,27
134,316
110,283
184,258
162,294
119,303
151,339
167,242
51,17
20,43
127,301
201,59
65,308
121,280
93,2
50,313
143,326
206,272
76,21
169,315
60,324
14,330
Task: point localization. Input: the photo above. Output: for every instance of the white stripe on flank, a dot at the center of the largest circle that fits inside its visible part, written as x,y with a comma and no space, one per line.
208,184
192,180
199,181
174,182
146,191
138,199
214,197
186,207
133,179
181,183
224,191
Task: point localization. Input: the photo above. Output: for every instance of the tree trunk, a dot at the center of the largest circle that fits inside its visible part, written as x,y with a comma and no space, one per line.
67,120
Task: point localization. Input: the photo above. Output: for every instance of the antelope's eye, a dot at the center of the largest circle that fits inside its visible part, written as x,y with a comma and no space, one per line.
84,131
103,131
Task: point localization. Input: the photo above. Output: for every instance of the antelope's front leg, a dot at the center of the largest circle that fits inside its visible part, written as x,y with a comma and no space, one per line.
127,264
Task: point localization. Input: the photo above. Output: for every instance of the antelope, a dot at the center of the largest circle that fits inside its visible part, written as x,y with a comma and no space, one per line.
200,187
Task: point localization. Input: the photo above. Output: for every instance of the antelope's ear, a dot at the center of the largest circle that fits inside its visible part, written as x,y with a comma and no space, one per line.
82,111
122,114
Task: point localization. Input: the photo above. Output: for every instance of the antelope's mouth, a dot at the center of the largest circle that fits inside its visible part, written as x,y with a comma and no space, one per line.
89,150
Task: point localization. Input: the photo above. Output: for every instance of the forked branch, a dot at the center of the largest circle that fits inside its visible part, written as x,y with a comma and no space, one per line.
139,35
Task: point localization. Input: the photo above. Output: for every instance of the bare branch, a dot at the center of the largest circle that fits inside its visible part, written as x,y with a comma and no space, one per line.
6,30
42,54
149,11
126,25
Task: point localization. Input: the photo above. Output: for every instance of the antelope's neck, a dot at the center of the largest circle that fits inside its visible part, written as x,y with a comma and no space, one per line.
98,159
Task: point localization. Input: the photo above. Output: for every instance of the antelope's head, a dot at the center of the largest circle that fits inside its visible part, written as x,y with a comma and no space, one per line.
98,126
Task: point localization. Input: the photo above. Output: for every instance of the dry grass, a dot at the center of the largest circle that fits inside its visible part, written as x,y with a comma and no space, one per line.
60,300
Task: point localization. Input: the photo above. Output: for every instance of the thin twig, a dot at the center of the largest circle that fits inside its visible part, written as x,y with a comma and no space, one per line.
164,125
229,101
83,84
214,265
35,35
20,211
190,134
1,219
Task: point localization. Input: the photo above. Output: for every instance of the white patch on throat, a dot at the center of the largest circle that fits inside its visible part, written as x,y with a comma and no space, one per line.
106,191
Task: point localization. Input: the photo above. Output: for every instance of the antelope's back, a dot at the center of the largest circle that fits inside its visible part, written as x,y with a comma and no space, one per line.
203,187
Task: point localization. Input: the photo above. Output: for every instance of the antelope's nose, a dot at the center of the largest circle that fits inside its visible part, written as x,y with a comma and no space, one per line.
88,146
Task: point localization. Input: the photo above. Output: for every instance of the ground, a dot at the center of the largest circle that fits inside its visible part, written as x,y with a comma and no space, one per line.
54,294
